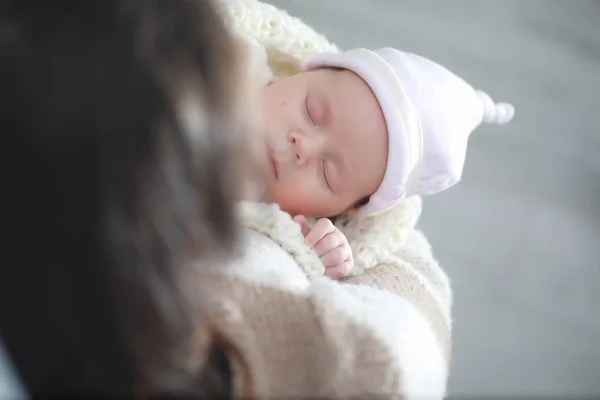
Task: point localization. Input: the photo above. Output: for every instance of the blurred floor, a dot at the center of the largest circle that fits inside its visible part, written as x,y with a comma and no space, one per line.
520,236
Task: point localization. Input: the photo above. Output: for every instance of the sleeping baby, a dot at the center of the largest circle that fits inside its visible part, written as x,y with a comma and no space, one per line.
358,132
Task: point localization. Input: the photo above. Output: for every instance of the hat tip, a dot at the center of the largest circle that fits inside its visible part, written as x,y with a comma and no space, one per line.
495,113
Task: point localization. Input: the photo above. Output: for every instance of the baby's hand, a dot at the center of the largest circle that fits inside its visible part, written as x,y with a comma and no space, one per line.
330,244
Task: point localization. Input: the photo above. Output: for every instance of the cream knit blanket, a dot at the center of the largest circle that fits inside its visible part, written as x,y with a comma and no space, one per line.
277,43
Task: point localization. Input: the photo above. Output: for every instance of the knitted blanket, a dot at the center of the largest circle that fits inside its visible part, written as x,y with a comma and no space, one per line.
290,332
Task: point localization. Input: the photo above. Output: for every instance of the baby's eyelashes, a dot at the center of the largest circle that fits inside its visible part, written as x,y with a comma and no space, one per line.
309,115
314,111
324,174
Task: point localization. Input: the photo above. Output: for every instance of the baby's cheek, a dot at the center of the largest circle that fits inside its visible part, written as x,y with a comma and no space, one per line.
295,199
291,200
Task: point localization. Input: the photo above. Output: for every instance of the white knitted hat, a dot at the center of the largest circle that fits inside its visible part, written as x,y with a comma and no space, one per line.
429,112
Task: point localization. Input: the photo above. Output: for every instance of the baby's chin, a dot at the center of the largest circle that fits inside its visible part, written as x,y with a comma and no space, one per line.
283,201
290,205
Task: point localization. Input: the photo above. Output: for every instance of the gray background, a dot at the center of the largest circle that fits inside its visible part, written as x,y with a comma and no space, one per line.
520,236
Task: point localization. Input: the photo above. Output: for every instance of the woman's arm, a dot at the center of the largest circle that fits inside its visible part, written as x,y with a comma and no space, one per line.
384,332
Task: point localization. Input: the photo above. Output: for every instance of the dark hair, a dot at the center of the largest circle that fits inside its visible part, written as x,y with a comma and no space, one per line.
116,139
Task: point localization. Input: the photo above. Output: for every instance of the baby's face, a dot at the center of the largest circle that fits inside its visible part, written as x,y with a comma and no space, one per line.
327,142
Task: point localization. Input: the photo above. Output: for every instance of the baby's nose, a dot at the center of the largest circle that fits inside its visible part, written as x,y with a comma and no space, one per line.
303,148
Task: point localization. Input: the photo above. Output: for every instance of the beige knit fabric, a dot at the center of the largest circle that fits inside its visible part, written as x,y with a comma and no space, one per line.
380,333
290,344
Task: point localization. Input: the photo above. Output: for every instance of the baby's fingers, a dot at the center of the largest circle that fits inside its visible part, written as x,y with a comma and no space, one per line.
323,227
336,256
339,271
329,242
304,224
